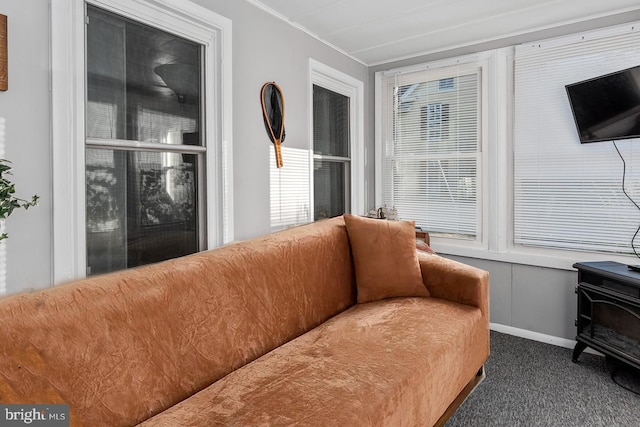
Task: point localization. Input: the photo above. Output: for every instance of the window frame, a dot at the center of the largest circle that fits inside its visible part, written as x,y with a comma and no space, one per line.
340,160
68,100
485,63
339,82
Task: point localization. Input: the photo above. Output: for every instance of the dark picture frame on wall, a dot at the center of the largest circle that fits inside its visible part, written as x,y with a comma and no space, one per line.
4,60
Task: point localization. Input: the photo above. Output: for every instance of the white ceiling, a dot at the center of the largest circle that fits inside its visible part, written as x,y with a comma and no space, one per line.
378,31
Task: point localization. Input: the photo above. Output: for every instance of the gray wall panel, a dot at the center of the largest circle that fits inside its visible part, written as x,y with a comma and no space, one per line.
500,292
533,298
544,300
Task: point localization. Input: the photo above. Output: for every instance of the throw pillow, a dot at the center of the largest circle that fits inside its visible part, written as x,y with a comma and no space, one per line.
385,258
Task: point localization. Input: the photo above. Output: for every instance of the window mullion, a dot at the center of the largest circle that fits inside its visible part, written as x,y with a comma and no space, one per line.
129,145
324,157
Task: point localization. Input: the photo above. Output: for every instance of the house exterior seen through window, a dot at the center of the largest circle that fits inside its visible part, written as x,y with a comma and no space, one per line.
431,149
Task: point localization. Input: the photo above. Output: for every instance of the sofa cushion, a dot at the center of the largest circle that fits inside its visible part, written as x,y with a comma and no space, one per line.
396,362
385,259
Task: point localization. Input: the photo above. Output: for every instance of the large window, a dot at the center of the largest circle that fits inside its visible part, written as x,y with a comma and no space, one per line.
144,151
431,148
566,195
141,124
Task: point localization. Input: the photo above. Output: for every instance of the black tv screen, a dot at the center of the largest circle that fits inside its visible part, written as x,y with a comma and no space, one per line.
607,108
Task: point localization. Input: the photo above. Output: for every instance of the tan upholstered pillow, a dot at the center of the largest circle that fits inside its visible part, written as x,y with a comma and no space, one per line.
384,254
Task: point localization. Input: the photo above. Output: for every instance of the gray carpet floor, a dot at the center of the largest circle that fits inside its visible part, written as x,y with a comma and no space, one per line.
529,383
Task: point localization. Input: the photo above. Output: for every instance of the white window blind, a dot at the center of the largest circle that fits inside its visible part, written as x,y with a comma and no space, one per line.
431,148
568,195
290,193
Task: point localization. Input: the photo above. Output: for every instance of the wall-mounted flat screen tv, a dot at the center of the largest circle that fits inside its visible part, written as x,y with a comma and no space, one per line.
607,108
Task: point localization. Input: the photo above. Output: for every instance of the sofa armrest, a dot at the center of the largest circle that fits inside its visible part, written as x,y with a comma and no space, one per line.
454,281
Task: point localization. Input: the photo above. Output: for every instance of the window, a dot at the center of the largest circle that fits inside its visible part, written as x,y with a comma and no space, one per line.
331,153
540,195
142,145
431,148
435,122
326,177
445,84
336,135
568,196
144,150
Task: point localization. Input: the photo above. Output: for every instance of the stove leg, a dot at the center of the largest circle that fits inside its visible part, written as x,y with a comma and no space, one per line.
577,351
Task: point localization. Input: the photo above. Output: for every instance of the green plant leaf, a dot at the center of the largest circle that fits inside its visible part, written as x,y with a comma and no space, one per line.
8,202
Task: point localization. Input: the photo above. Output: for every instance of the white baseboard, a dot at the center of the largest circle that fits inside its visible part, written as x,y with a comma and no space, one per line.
537,336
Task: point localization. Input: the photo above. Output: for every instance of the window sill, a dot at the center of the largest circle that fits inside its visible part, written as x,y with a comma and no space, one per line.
538,257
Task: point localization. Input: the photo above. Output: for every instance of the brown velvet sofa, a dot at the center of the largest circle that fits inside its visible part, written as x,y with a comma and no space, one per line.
265,332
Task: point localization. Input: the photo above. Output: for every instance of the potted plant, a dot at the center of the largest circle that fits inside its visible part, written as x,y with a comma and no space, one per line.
8,202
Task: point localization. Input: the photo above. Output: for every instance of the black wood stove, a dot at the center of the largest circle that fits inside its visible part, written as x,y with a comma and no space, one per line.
608,311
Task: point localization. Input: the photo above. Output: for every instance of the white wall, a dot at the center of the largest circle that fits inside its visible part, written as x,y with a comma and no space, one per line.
264,49
24,109
267,49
